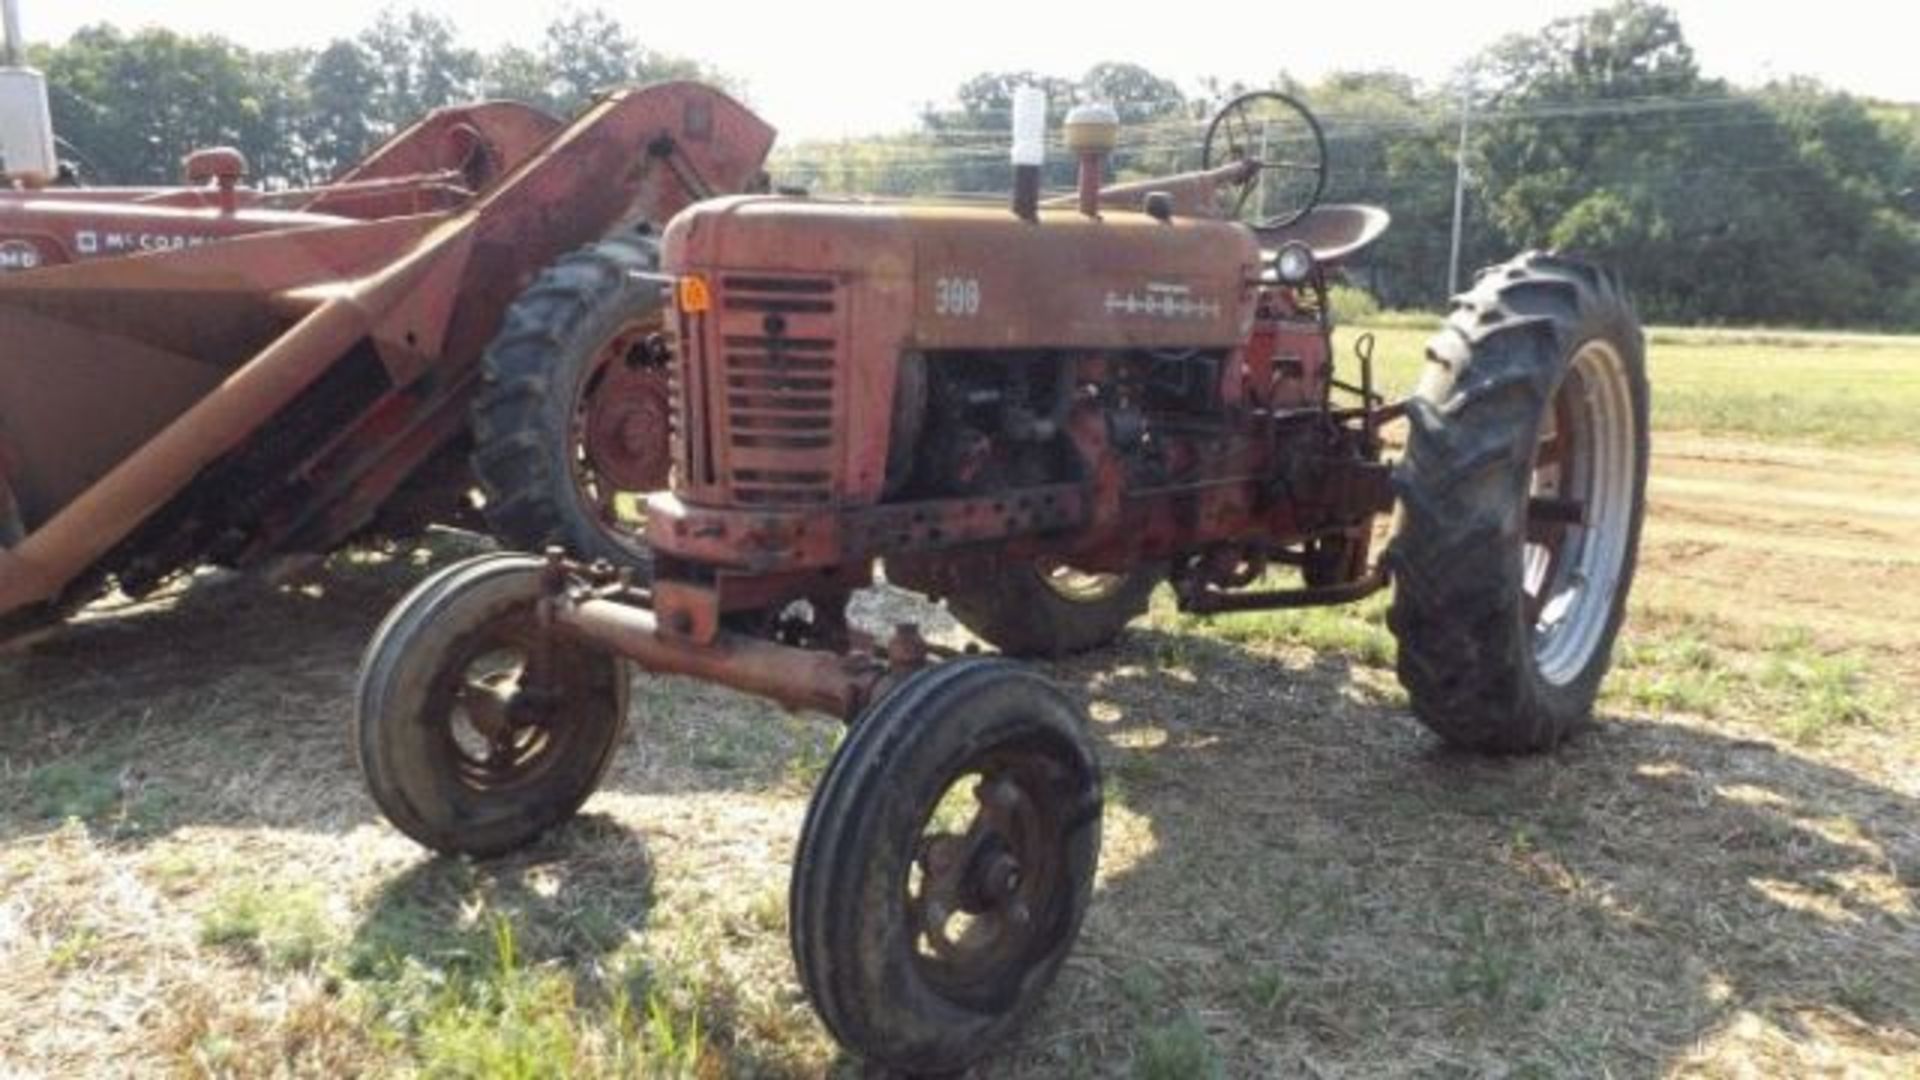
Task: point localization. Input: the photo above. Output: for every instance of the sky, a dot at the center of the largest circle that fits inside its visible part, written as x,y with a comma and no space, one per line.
828,69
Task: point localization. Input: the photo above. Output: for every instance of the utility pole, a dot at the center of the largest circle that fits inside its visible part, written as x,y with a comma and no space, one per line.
10,51
1459,188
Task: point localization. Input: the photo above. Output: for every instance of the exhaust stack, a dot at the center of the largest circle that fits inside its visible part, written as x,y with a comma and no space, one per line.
1029,149
1092,131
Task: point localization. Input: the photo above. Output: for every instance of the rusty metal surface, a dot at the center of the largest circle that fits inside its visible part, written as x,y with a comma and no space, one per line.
1190,195
795,677
480,142
159,334
437,164
251,324
926,278
623,423
71,230
809,315
981,278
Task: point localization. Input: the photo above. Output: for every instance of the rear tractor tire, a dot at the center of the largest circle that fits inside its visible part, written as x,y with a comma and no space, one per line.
570,424
1521,493
946,864
475,731
1051,609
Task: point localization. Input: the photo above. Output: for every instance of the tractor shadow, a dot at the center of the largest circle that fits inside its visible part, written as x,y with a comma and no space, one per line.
1297,878
571,898
1300,878
220,701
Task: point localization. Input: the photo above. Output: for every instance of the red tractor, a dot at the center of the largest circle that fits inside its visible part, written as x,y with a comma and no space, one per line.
1037,413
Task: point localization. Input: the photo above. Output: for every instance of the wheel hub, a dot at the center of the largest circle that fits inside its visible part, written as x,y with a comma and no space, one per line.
998,879
975,899
628,411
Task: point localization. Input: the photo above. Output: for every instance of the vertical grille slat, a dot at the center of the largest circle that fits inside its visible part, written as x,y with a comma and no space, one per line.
758,394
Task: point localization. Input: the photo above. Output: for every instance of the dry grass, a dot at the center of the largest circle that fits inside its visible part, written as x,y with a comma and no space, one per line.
1297,880
1720,880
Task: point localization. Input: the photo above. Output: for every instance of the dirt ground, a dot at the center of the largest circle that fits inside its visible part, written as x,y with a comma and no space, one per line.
1784,536
1297,879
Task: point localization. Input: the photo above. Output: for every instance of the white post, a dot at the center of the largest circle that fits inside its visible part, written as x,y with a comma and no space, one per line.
1459,191
14,48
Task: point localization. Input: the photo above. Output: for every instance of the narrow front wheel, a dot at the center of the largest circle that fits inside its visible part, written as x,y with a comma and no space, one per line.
476,731
946,863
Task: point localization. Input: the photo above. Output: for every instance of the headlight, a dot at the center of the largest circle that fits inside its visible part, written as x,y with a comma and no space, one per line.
1293,263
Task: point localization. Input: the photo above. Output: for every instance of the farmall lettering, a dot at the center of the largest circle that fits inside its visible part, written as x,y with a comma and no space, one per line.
1162,301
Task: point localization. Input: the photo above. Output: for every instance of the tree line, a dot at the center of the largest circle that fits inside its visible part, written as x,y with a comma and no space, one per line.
128,106
1788,204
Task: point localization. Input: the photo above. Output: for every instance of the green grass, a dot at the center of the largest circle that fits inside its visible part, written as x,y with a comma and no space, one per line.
74,949
87,788
1493,964
1697,665
286,928
1665,662
1178,1050
465,1001
98,789
1358,632
518,1022
1840,390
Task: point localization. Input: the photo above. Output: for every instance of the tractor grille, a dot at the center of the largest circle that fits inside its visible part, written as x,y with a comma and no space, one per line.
765,387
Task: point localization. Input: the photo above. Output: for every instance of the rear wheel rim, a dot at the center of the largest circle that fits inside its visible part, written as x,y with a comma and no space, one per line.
1080,586
1581,506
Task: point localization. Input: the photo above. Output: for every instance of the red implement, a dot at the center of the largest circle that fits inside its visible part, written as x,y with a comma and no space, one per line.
267,372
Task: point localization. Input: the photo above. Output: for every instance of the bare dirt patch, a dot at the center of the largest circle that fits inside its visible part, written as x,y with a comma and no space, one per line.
1780,537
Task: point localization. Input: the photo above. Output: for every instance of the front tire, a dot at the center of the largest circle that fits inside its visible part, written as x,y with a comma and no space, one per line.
475,729
1522,492
946,863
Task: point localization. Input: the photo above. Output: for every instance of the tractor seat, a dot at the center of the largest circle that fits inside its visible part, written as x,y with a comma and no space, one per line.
1335,233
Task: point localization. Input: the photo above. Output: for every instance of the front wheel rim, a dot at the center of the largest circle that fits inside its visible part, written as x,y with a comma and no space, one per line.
489,709
981,890
1581,510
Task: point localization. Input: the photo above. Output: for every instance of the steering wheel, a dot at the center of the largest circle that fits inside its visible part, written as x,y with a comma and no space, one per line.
1279,135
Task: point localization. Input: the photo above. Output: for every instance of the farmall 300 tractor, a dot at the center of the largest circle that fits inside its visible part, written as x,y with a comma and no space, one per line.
1038,414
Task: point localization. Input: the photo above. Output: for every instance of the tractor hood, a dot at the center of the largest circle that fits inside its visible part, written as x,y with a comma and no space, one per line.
962,276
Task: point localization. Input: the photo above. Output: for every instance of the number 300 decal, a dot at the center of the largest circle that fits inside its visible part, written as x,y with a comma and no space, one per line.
956,296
